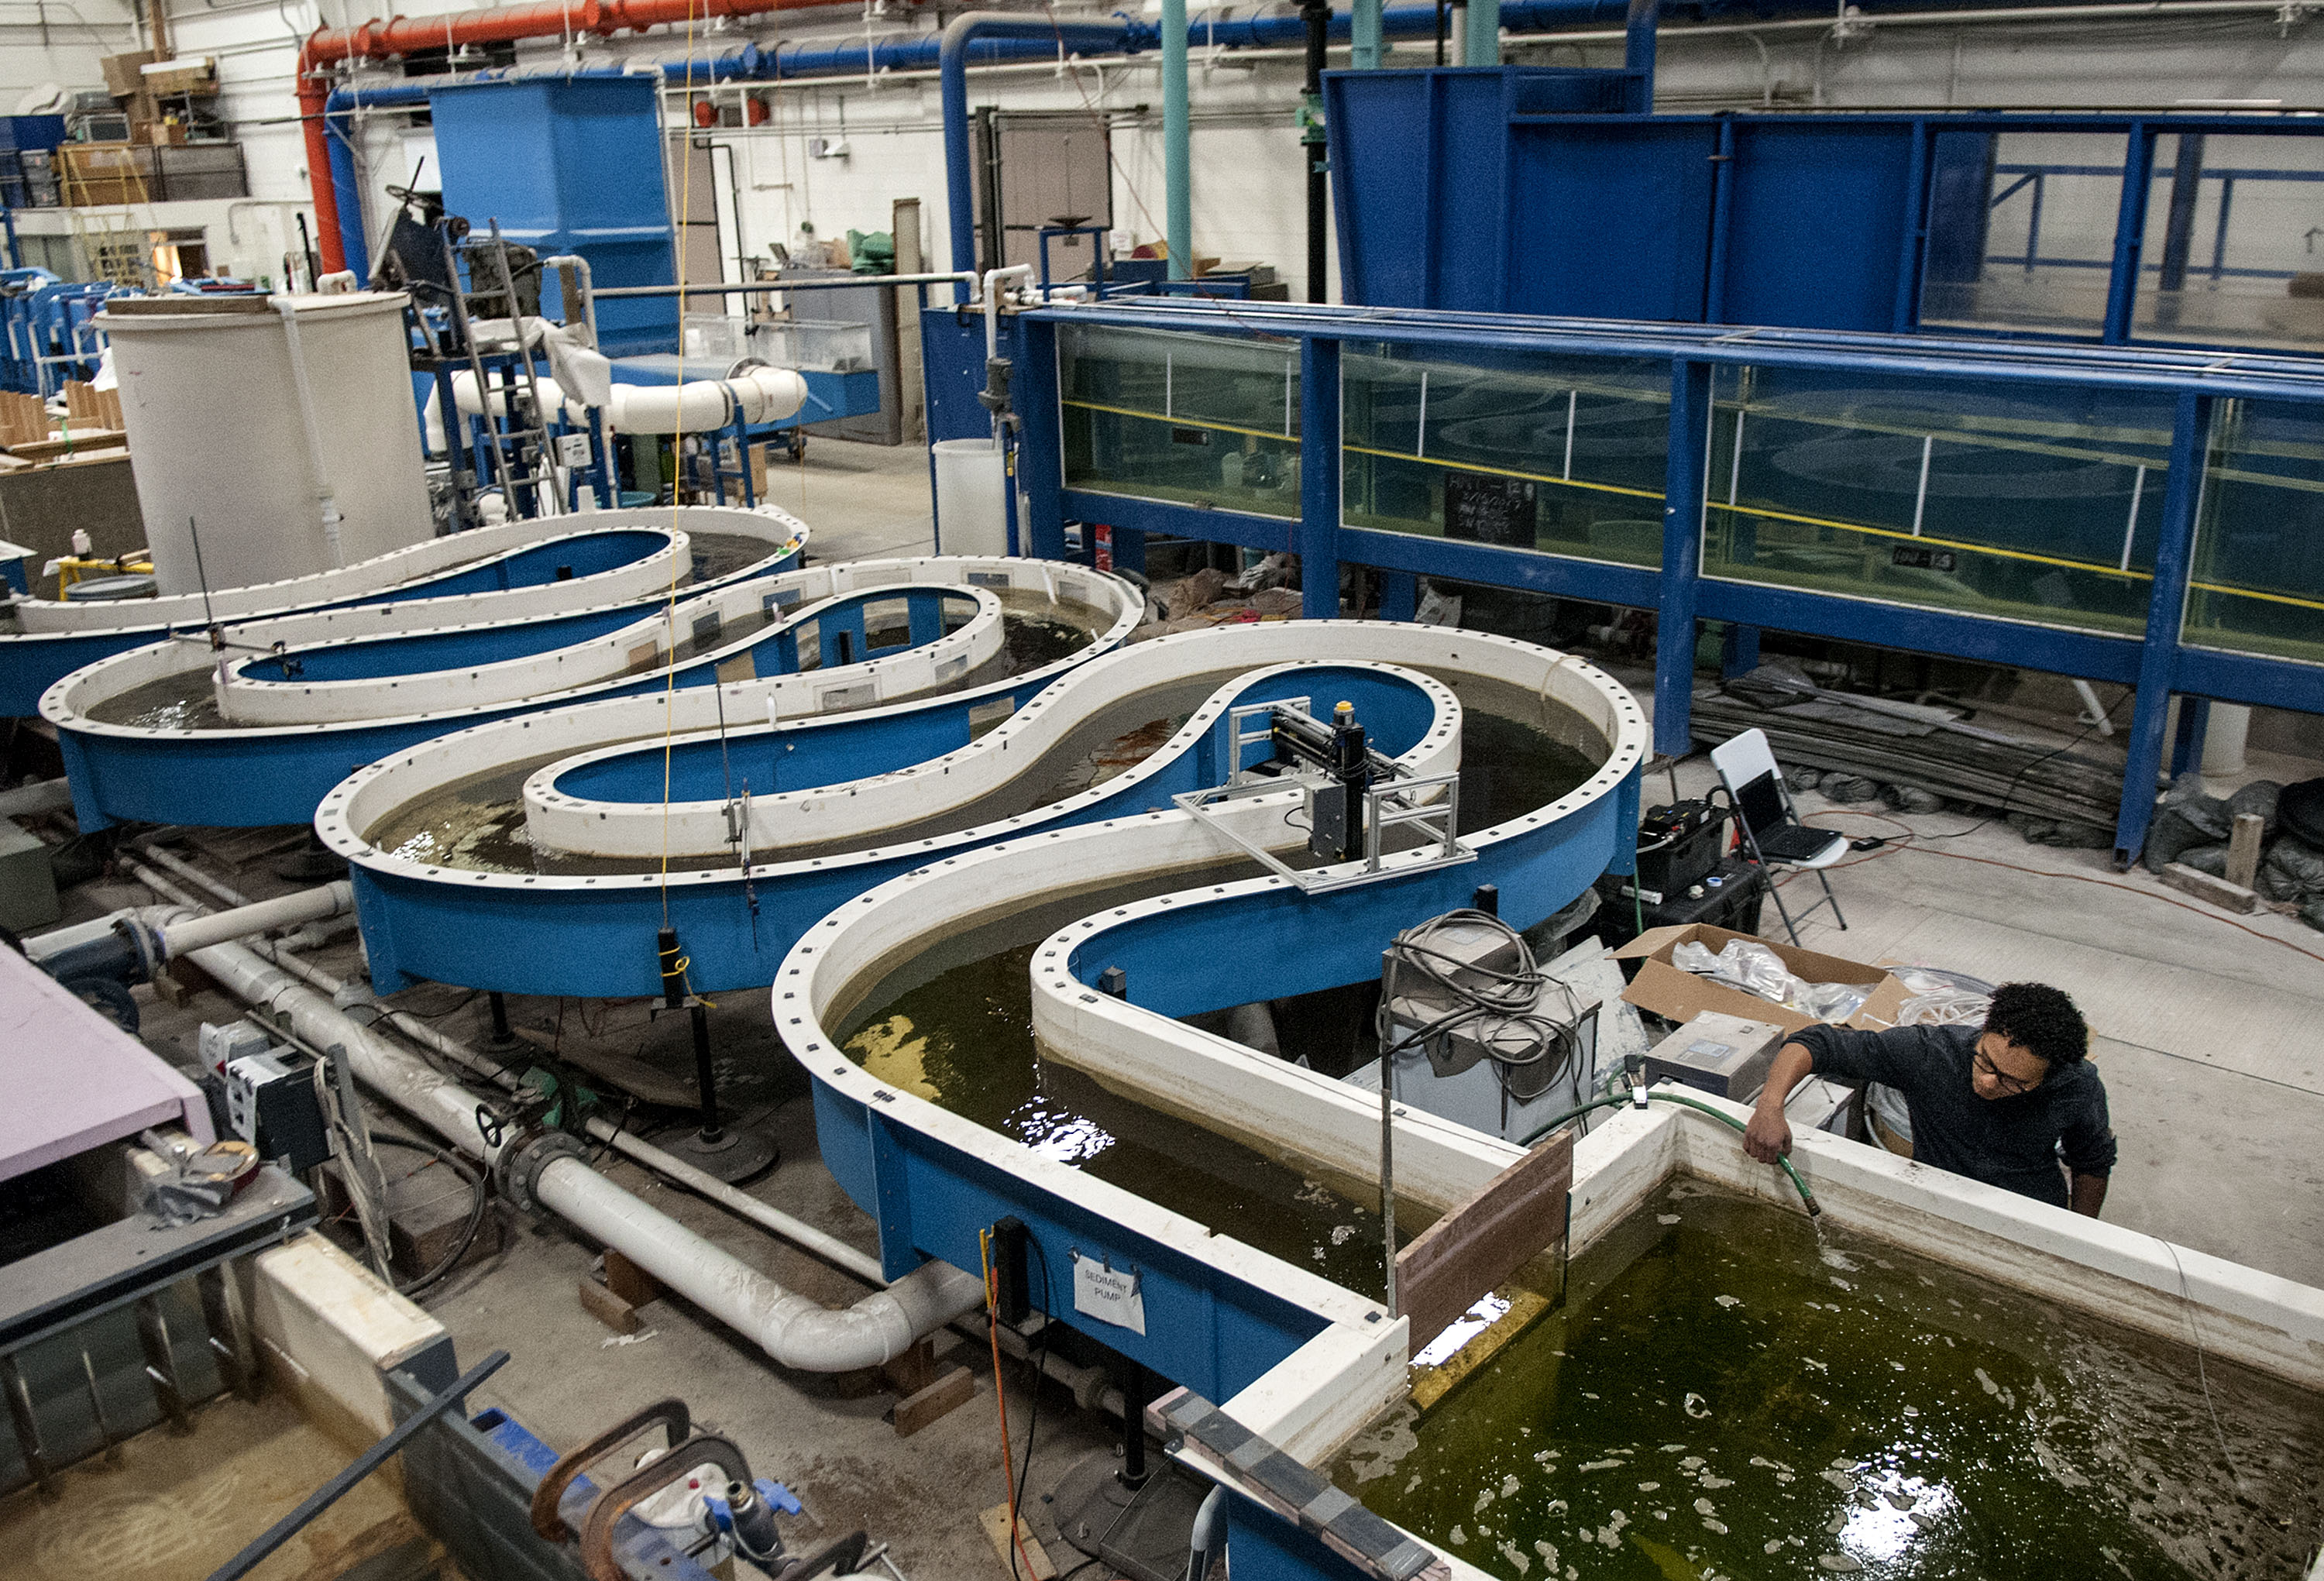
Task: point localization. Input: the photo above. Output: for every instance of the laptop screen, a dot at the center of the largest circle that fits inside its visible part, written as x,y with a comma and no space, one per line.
1761,803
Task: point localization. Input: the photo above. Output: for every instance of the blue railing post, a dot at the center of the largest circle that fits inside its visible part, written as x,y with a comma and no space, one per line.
2158,661
1399,595
1689,429
2186,740
2129,234
1040,447
1318,540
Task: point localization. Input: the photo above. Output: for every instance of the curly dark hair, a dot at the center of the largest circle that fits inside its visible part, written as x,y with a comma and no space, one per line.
2041,1020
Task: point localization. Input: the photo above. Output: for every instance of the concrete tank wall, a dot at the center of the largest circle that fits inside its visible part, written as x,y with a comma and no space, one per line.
216,434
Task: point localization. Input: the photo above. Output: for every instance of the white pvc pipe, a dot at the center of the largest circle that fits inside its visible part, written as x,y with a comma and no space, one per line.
791,1328
325,500
761,395
184,937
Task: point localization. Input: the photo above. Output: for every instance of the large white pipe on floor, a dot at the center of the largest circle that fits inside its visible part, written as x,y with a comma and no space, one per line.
791,1328
188,935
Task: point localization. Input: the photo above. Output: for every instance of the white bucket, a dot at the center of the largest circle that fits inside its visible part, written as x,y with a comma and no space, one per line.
971,509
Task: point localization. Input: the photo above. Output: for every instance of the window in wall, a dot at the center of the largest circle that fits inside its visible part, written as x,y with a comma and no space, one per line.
2021,230
2020,501
1563,454
1196,419
2233,228
2258,581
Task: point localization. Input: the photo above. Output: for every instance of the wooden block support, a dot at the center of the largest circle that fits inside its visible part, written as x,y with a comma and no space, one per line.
607,1307
947,1394
1511,1219
2243,848
629,1282
913,1371
2226,897
995,1522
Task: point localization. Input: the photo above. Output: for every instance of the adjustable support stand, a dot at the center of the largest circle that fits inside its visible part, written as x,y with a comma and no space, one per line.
732,1155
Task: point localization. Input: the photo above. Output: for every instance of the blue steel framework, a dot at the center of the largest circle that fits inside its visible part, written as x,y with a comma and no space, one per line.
1469,189
2159,664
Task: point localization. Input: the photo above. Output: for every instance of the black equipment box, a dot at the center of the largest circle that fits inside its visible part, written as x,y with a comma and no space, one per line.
1679,846
1732,894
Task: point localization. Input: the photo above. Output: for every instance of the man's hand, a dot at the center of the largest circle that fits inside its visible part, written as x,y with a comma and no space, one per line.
2087,1195
1768,1136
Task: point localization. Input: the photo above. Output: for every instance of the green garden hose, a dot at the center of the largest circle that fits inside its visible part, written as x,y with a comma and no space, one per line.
1815,1208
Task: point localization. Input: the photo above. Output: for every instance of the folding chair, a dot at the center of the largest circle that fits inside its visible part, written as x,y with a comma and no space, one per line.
1771,826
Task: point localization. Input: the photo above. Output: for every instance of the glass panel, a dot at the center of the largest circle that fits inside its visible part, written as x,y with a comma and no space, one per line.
2036,504
2231,234
2258,582
1198,419
1559,454
2021,230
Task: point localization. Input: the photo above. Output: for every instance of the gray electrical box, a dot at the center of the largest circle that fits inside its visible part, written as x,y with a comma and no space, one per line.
28,885
1724,1055
271,1103
1453,1076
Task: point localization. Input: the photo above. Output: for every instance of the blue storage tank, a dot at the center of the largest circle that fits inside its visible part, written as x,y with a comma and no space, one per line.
568,166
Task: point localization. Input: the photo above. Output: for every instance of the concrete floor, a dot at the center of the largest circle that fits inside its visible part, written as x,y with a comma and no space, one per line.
2216,1078
863,502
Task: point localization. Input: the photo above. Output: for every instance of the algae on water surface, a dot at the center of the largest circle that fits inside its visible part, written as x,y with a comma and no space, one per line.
1728,1394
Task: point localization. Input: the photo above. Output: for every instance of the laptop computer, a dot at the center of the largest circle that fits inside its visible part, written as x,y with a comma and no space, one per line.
1761,804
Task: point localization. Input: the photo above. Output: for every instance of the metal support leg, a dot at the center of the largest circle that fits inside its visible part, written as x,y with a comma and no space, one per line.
28,1429
160,1362
1318,539
1690,420
1399,595
229,1325
2158,660
2187,741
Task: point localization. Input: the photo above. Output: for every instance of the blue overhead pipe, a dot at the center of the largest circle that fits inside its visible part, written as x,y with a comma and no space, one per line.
978,38
1108,37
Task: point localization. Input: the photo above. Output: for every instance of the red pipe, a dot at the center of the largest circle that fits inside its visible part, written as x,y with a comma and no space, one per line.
546,19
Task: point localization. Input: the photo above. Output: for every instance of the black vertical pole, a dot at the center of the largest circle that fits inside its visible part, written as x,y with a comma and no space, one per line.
702,1075
1136,1389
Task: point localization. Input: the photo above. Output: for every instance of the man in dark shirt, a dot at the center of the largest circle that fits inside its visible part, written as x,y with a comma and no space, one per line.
1997,1103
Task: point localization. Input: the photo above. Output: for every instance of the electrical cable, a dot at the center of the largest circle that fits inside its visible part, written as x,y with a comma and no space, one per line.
678,459
474,1181
1033,1423
1479,992
1000,1402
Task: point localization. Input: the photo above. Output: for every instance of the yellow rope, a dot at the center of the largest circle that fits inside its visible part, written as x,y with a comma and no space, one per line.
678,460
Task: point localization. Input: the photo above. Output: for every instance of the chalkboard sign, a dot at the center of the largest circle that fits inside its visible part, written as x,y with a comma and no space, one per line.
1489,509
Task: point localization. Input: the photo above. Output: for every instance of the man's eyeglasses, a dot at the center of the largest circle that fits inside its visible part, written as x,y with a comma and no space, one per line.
2010,1085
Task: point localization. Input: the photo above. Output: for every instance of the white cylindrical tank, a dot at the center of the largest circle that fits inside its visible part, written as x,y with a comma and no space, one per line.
219,434
971,506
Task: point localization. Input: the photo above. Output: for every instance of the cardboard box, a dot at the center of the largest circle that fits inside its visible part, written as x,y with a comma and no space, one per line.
1680,996
107,173
125,74
188,74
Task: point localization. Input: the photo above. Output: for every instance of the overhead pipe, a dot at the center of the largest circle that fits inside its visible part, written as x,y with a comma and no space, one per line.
975,39
383,41
999,38
760,395
1177,150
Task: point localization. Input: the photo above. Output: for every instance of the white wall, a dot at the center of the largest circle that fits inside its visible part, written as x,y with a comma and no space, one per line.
1250,195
